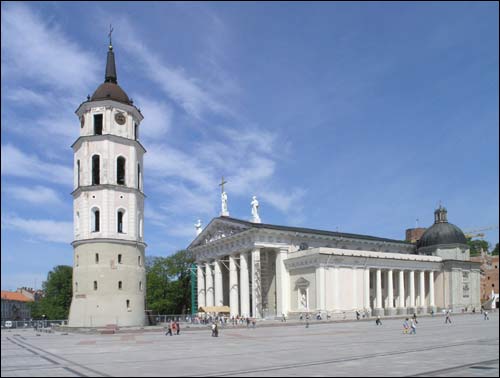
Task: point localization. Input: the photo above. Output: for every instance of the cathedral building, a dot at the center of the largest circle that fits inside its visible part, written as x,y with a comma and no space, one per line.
109,276
264,270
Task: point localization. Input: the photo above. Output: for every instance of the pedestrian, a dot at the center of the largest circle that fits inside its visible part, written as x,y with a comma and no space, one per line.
307,321
447,319
284,318
415,317
413,327
178,327
432,312
378,321
486,315
213,329
174,327
301,317
169,330
248,322
253,322
357,315
406,326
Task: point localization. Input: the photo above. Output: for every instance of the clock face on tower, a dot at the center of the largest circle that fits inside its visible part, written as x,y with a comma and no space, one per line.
120,118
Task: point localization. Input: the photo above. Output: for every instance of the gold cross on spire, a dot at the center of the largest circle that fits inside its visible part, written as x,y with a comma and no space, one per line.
222,184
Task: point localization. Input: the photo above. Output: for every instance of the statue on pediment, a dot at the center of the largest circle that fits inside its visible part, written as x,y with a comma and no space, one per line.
255,210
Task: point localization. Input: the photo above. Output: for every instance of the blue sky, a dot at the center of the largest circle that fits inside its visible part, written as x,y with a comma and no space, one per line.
356,117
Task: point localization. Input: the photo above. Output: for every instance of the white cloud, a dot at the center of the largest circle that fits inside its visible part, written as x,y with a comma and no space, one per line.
17,163
186,91
36,195
27,96
60,63
41,229
158,120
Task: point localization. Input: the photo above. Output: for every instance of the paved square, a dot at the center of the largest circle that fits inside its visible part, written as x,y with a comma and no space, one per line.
467,347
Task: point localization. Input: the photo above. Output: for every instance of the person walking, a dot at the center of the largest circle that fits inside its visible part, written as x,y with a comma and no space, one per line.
406,326
174,327
447,319
378,321
307,321
213,329
169,330
413,327
178,327
415,317
357,315
486,315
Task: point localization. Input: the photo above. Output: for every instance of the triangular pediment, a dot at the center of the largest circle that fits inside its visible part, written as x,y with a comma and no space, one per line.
219,228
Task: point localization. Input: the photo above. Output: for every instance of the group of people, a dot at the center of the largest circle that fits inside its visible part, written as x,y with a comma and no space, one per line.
173,327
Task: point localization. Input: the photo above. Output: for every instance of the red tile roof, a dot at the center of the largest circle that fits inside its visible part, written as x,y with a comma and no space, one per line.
14,296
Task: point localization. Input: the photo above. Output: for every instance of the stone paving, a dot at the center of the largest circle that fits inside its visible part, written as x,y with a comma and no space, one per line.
467,347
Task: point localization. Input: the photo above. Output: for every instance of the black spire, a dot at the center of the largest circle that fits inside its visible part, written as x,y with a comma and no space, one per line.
110,76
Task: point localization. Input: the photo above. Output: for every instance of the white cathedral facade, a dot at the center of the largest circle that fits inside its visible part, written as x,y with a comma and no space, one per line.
264,270
109,278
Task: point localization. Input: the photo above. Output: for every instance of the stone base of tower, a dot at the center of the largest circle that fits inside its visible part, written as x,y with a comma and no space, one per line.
109,288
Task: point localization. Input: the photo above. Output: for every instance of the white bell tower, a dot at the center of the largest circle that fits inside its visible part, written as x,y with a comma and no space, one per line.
109,278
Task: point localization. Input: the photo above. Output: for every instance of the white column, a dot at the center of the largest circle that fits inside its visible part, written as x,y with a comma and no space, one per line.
431,289
354,276
218,284
422,288
282,283
366,290
412,288
320,288
390,292
233,287
401,290
379,289
209,285
336,303
256,288
244,286
201,285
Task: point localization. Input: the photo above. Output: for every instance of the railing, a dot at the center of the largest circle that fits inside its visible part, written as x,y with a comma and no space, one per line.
37,324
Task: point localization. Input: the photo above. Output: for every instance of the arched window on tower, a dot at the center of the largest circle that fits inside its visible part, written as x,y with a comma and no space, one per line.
120,170
98,124
95,170
138,176
78,173
95,219
119,221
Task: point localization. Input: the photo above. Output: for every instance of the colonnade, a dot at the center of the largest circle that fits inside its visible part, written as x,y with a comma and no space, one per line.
244,295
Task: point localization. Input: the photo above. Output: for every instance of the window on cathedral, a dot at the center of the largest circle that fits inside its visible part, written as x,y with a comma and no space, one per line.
95,285
139,260
76,287
119,285
138,176
119,258
140,285
136,131
97,258
120,221
78,173
120,171
95,170
95,220
128,304
77,260
97,124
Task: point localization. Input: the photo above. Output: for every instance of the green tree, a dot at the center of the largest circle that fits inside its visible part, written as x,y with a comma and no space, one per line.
477,245
58,292
495,251
168,283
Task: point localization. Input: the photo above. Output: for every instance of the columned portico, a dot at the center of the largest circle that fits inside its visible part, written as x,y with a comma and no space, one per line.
233,286
209,285
366,290
256,285
422,304
401,292
201,285
218,284
378,293
390,294
244,285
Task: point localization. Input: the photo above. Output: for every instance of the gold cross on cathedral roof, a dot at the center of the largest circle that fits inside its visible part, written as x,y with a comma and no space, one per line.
222,184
